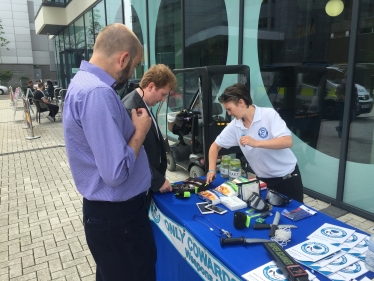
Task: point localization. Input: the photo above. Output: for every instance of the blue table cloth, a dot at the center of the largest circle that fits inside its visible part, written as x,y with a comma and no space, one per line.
232,261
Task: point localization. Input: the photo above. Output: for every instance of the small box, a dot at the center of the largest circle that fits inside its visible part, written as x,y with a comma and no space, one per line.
209,196
247,187
228,188
263,185
233,203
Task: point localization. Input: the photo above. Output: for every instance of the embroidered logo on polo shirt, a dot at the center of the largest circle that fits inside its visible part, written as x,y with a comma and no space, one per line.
263,133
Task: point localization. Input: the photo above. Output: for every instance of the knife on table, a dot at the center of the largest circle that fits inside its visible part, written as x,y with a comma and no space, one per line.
268,226
274,225
241,240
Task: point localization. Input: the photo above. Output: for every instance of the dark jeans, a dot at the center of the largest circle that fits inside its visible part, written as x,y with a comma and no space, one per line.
120,238
291,187
53,109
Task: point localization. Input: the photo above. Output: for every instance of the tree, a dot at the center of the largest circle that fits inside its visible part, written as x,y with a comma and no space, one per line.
5,75
3,41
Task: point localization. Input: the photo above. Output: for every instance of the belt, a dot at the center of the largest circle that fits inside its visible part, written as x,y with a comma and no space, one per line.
136,197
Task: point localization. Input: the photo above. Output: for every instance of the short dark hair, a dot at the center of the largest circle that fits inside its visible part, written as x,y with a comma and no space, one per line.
236,92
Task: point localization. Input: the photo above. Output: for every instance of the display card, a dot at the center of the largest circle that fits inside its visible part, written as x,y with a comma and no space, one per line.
312,250
333,234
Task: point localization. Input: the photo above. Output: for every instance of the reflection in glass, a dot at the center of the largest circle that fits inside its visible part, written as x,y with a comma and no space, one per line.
168,40
360,157
80,34
98,18
137,29
89,33
114,11
206,33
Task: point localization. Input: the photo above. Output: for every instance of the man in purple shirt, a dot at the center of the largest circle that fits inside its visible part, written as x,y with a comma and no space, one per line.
107,159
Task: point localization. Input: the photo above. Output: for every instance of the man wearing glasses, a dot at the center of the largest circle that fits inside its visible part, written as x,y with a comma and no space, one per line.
154,87
264,139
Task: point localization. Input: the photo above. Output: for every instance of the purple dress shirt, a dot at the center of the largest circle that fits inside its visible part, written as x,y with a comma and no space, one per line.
97,129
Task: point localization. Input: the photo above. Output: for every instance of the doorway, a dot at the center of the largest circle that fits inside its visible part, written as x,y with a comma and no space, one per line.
70,60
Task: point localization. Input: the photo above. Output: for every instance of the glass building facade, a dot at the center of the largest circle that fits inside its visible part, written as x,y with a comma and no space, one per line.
300,59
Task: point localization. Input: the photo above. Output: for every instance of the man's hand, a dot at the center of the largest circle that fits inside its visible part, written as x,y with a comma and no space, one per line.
141,120
166,187
247,140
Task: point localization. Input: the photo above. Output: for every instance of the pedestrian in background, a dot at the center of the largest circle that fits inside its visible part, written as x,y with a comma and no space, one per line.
107,159
39,96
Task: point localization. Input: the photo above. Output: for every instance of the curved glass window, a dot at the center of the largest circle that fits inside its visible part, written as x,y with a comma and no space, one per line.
137,25
89,30
168,39
206,33
80,36
113,11
98,21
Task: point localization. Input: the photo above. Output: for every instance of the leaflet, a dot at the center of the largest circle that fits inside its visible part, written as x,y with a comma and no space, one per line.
360,248
266,272
312,250
338,264
323,262
333,234
352,241
350,272
270,272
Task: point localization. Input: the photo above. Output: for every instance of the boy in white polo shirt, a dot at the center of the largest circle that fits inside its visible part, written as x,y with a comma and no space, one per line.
263,138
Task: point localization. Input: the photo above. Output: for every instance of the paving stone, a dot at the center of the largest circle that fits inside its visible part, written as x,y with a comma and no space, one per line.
31,276
43,275
84,269
55,265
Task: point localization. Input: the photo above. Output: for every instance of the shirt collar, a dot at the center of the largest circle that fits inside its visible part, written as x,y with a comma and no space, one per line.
256,118
98,72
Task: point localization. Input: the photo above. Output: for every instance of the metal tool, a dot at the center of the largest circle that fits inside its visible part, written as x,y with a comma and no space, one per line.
274,225
268,226
241,240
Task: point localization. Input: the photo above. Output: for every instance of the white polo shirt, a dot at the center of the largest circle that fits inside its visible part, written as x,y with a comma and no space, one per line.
266,125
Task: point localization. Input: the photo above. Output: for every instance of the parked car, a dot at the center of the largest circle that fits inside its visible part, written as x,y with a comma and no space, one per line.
3,90
335,75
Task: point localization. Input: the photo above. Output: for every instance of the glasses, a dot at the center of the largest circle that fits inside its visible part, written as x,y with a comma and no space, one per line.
256,202
276,199
224,97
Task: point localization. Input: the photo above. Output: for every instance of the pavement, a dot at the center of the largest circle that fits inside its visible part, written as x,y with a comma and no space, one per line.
41,231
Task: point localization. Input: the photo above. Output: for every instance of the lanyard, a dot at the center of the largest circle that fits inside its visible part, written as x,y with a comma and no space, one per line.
221,231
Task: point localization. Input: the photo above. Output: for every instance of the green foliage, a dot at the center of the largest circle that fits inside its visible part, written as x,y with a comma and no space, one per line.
3,41
5,75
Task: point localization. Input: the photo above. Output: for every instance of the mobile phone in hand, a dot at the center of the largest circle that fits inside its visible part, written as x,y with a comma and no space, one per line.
202,208
216,209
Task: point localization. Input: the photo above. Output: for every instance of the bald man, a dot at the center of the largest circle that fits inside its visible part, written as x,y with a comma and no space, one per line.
107,160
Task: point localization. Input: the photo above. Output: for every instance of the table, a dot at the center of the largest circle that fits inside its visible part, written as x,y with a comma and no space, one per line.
189,250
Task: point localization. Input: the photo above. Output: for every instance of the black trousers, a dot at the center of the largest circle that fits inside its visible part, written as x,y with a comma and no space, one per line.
53,109
291,187
120,238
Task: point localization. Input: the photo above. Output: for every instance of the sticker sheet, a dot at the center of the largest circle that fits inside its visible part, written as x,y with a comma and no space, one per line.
323,262
266,272
312,250
350,272
338,264
333,234
352,241
270,272
360,248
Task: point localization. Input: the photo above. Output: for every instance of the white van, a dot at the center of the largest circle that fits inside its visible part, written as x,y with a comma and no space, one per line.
335,76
